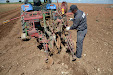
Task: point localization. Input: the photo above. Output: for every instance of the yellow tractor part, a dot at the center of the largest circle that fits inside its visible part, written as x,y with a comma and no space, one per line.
62,10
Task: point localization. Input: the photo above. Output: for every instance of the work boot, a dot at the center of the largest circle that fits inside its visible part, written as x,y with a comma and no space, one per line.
74,58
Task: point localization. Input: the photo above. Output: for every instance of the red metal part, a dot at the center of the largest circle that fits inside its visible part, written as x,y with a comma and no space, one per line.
15,18
37,17
35,35
32,15
30,32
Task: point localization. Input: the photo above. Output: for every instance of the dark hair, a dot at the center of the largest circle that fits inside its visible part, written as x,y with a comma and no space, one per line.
73,7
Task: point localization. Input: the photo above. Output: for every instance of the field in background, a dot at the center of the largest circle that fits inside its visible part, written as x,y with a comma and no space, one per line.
7,7
25,58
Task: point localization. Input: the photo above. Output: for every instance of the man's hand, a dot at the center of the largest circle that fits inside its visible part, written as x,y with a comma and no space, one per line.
70,19
67,28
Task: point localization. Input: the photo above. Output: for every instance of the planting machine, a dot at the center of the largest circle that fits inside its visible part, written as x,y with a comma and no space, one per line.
40,21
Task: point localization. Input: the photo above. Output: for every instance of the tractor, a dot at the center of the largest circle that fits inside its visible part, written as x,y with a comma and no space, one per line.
39,20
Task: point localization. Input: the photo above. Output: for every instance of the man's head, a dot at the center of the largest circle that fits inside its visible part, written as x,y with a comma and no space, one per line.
73,8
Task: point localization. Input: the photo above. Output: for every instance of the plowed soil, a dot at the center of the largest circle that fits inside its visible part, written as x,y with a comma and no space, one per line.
25,58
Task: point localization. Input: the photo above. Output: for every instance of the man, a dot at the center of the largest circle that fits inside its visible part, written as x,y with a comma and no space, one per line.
80,24
37,2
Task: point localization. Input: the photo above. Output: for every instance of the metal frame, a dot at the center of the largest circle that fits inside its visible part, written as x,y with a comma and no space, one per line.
53,29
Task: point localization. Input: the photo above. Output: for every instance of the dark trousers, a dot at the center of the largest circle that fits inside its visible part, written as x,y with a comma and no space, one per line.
80,38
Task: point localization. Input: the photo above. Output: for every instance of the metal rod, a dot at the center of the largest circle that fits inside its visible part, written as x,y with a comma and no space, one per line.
25,29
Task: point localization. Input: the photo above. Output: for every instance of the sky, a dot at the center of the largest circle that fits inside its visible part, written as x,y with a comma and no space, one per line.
71,1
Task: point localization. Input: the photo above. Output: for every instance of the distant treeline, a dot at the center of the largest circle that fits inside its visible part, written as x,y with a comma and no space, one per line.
70,1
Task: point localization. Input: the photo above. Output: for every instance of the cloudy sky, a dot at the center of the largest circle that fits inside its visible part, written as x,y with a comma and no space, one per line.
71,1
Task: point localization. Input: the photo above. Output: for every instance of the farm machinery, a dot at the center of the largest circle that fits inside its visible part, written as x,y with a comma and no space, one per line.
40,21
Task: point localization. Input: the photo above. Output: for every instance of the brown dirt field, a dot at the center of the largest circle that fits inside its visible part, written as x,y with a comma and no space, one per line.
24,58
8,7
9,12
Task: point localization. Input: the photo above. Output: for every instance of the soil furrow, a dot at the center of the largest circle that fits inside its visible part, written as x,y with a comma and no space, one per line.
6,28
